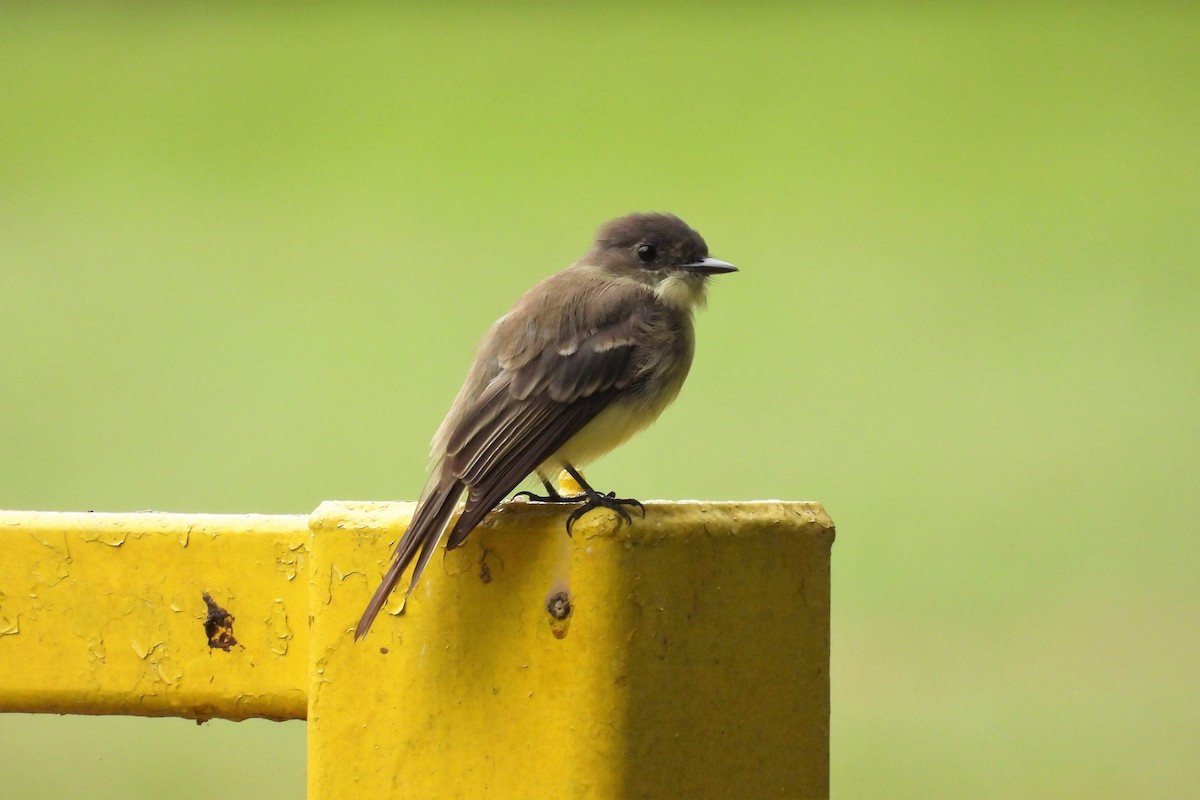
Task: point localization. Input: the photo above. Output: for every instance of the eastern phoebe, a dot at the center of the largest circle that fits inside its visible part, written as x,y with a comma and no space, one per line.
585,359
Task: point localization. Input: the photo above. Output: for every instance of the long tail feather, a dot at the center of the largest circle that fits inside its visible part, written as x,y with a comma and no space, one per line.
419,541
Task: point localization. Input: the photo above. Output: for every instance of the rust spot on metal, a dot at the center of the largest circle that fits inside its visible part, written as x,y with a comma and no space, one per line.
558,605
218,626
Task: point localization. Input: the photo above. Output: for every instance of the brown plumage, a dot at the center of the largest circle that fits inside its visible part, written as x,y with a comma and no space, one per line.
586,358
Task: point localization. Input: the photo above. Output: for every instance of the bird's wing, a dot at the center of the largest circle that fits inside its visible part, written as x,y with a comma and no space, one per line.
559,379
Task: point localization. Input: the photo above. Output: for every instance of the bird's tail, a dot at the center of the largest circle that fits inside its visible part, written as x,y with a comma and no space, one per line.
419,542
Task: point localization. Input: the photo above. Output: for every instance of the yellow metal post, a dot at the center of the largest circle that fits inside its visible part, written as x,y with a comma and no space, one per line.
693,661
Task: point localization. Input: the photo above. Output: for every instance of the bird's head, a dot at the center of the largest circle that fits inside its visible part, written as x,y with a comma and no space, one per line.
662,252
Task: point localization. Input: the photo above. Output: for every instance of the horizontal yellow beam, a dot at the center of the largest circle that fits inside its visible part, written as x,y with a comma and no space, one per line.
693,661
107,613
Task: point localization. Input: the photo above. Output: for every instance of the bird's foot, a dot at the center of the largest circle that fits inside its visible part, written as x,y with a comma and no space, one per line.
610,501
551,498
589,499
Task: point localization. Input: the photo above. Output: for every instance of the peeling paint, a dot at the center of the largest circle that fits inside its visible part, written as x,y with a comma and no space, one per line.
167,671
286,563
281,632
9,619
110,538
97,651
144,649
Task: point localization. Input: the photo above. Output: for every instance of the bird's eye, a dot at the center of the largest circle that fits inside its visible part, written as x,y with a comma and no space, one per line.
647,253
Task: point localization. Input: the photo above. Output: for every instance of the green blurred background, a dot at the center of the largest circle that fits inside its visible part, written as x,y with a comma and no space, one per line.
245,254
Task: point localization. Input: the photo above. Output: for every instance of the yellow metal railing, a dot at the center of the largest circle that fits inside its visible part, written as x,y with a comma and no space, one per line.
685,655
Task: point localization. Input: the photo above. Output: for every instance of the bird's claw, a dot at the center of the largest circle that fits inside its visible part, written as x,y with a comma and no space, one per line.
609,501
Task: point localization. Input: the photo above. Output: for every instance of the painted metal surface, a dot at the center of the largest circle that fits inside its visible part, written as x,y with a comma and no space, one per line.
685,655
190,615
693,662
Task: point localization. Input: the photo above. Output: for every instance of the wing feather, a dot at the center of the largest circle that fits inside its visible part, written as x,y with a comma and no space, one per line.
544,402
532,407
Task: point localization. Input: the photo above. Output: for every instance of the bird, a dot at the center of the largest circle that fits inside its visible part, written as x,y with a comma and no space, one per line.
585,359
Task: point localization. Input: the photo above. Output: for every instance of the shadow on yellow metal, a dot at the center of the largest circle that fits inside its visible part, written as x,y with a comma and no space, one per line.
685,655
693,663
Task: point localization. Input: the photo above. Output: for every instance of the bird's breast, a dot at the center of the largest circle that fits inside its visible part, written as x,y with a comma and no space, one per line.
631,410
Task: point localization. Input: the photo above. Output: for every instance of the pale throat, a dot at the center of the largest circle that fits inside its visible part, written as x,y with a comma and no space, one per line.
682,291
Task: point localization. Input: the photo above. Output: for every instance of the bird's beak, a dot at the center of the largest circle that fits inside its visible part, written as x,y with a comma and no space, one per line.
709,266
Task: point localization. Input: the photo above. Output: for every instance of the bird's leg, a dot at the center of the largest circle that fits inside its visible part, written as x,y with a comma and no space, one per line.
597,500
551,495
